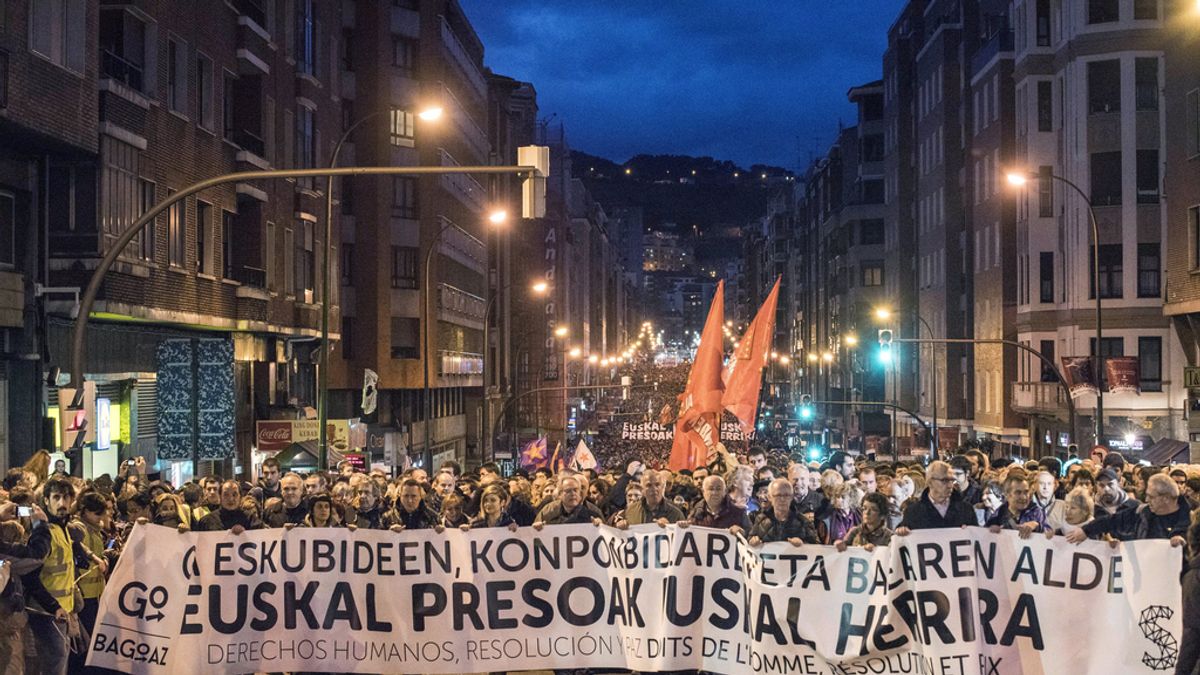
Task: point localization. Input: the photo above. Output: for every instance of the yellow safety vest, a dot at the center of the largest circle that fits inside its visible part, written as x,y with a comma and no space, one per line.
91,583
58,571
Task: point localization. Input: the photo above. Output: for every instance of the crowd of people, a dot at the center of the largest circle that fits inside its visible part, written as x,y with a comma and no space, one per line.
60,535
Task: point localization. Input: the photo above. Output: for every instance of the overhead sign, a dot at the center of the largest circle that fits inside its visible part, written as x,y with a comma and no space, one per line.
1191,377
648,599
276,435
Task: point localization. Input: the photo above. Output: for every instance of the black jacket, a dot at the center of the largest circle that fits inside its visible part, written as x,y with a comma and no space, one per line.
422,518
553,514
279,514
923,515
225,519
769,528
1141,523
1189,643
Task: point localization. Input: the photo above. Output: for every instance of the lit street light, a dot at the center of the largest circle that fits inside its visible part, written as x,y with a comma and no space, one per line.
1020,179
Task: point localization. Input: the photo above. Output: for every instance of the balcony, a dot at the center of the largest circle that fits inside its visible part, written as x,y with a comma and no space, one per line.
252,10
462,59
1001,42
1039,397
249,276
117,68
458,306
459,363
461,185
472,135
462,246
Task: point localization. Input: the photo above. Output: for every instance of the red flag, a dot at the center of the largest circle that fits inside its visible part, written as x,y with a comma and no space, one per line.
743,374
696,430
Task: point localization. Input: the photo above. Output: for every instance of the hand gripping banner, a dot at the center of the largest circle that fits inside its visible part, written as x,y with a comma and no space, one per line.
952,602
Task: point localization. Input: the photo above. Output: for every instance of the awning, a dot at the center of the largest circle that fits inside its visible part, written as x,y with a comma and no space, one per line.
1166,451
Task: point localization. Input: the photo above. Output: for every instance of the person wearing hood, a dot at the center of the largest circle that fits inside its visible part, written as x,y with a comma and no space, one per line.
321,512
410,512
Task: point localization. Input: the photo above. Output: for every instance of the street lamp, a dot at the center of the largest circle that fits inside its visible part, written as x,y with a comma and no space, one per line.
1020,179
561,332
428,323
429,114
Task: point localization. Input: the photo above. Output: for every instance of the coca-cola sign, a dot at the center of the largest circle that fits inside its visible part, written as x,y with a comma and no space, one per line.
276,435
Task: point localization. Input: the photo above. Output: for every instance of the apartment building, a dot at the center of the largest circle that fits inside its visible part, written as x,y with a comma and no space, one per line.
409,323
1181,115
1088,78
176,93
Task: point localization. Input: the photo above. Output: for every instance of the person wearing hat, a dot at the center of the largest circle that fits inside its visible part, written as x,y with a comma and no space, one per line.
321,512
1111,498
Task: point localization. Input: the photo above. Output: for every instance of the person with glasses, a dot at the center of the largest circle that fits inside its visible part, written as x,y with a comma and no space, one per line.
940,504
1164,515
570,507
1020,512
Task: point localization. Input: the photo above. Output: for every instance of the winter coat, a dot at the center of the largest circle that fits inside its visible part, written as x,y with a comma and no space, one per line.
923,515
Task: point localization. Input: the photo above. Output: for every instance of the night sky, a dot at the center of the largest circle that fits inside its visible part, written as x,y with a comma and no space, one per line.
750,81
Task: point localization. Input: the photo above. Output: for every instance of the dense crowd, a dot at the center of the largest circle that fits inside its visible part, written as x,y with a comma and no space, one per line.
61,535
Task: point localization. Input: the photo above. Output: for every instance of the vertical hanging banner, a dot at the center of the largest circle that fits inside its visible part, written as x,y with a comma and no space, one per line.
176,384
1124,374
1080,375
649,599
195,399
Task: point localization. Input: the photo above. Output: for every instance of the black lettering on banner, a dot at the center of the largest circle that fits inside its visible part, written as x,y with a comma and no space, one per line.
497,603
302,604
262,603
537,603
721,589
428,600
593,588
671,602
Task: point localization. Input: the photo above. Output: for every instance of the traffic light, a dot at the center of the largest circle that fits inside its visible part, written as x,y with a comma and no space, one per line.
885,346
806,407
815,452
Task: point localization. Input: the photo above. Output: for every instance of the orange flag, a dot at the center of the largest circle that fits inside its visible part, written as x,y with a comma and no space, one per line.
743,373
696,430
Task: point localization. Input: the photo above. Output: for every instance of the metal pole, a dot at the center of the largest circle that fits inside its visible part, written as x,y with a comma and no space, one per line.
122,240
933,442
323,366
995,341
428,323
1098,423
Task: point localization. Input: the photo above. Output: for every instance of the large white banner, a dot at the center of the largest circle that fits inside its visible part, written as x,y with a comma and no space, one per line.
944,602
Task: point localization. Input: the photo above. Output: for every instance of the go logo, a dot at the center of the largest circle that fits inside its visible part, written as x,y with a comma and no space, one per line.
140,602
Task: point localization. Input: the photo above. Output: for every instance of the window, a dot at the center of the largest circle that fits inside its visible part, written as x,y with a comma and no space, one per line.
404,196
1145,78
1147,176
3,79
1104,86
145,238
1103,11
305,146
404,267
347,50
406,338
403,128
176,75
1106,178
1045,106
203,223
347,114
404,55
871,232
1048,374
1150,363
1042,15
872,273
305,38
347,264
227,270
1109,346
305,261
228,96
123,48
204,92
57,31
1110,272
8,228
1145,10
176,244
1192,110
1045,192
120,197
872,191
1149,271
1193,215
872,148
347,337
1046,276
269,259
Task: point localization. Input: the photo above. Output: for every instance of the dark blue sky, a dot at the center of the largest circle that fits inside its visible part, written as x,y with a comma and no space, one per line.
752,81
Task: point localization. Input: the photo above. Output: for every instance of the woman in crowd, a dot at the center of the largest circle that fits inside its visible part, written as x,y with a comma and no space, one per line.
874,530
321,512
843,516
493,508
991,502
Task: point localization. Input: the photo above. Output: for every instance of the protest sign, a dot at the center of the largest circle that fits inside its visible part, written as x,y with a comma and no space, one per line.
951,602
